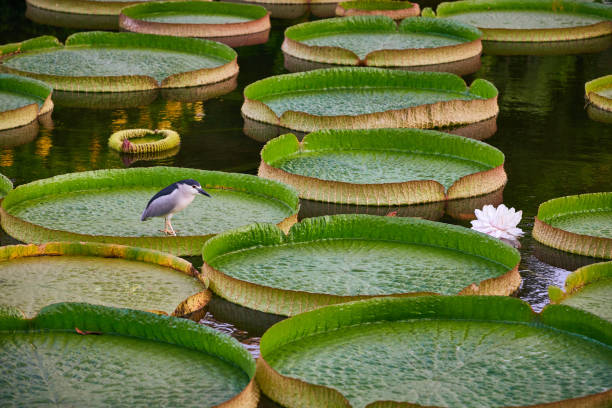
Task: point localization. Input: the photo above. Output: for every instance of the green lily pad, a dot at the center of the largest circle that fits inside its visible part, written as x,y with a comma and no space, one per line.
383,166
437,352
46,362
531,20
364,98
340,258
230,23
378,41
105,206
394,9
113,275
6,185
88,7
599,92
588,288
22,100
119,62
581,224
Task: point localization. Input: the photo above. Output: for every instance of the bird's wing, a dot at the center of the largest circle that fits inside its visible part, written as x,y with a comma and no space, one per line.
160,204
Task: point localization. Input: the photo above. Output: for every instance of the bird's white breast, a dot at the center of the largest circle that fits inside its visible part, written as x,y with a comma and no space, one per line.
183,199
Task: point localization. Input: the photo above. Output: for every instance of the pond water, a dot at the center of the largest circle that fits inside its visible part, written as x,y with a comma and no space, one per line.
552,148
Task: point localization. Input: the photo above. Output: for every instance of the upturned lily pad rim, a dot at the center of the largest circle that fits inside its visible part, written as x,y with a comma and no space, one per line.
26,114
170,140
131,18
592,88
159,176
439,114
598,247
122,83
186,308
97,7
397,140
67,316
6,185
354,226
448,9
580,278
497,309
469,47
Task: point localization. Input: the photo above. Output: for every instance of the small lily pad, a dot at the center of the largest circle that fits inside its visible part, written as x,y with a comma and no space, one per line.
599,92
588,288
581,224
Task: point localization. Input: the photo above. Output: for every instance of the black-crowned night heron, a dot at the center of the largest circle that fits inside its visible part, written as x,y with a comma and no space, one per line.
174,198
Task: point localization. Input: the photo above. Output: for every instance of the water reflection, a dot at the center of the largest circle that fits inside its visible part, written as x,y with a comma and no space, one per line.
264,132
461,210
586,46
462,67
599,115
70,20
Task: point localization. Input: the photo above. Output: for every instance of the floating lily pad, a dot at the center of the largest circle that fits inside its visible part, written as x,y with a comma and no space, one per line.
378,41
365,98
113,275
137,358
395,9
531,20
86,7
599,92
438,351
588,288
138,141
383,167
336,259
230,23
105,206
22,100
581,224
118,62
6,185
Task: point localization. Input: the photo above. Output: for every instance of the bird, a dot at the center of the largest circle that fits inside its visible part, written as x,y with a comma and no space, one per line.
172,199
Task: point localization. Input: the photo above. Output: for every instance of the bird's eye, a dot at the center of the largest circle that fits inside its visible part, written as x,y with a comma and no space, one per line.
193,186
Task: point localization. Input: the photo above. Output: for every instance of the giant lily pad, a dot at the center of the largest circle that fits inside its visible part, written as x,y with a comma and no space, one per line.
105,206
438,351
113,275
22,100
383,167
366,98
87,7
599,92
118,62
588,288
336,259
531,20
230,23
581,224
378,41
396,9
140,359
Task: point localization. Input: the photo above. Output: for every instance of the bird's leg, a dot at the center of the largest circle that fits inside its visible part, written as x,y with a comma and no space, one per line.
168,230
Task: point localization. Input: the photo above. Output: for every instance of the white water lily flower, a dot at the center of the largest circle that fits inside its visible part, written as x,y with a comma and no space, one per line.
499,222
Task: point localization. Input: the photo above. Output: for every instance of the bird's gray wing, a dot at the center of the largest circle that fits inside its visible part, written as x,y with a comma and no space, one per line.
160,206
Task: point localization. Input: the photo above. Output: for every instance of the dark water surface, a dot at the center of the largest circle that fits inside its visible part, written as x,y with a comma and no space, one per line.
552,148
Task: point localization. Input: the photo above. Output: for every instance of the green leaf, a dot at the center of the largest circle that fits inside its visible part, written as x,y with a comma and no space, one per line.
454,351
48,362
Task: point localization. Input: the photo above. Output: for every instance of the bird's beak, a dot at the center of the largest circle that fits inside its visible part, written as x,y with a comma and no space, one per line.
201,191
